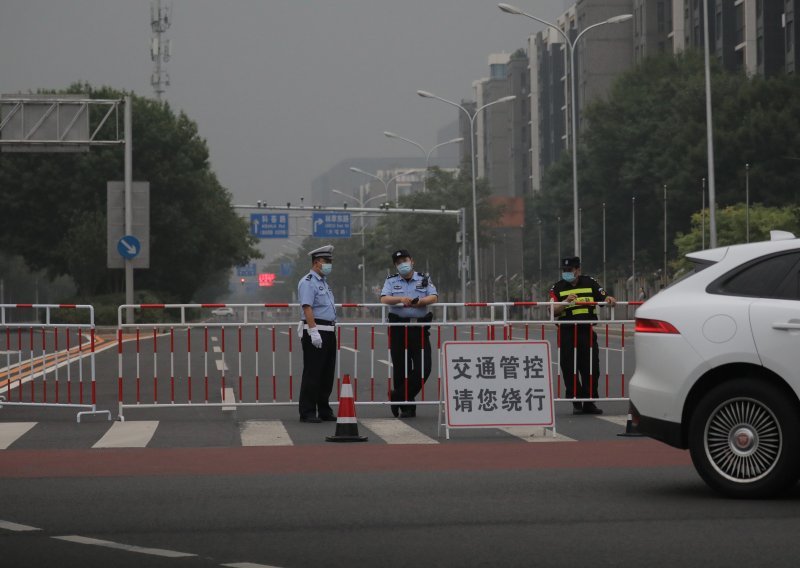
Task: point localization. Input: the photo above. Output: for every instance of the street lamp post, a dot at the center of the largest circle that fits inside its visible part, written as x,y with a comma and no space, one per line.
427,153
471,117
385,182
361,203
747,200
509,9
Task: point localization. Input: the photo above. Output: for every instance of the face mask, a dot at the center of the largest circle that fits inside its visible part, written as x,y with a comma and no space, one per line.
568,276
326,268
404,268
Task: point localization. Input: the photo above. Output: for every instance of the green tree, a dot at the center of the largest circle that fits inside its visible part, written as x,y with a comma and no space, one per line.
55,207
650,132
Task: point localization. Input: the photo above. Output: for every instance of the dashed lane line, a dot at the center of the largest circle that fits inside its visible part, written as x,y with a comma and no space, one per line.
16,527
127,547
11,431
618,419
228,397
132,434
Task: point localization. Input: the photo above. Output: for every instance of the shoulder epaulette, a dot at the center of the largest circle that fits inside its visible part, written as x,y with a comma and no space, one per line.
393,275
308,277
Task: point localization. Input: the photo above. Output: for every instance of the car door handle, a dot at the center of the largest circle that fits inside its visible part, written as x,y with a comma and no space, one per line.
785,325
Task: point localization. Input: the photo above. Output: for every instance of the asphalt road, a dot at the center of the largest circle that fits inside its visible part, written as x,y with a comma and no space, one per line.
606,503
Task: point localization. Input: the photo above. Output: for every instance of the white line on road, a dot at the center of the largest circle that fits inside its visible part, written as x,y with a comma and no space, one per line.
119,546
620,419
248,565
394,431
385,362
11,431
229,397
535,434
221,366
350,349
133,434
215,338
265,433
16,527
216,349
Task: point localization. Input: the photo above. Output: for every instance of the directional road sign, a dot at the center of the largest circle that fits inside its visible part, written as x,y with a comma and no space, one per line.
269,225
332,225
129,247
246,269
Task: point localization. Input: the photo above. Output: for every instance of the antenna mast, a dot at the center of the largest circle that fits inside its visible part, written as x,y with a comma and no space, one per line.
160,48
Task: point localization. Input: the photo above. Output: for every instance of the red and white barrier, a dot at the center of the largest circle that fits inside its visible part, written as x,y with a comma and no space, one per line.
48,364
193,358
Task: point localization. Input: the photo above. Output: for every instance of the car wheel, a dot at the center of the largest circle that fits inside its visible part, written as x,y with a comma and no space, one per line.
744,439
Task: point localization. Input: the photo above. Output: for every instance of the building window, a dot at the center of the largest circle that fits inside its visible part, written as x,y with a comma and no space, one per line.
660,17
760,50
789,36
739,24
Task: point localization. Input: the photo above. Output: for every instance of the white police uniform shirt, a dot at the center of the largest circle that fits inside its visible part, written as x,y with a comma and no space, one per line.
418,286
313,290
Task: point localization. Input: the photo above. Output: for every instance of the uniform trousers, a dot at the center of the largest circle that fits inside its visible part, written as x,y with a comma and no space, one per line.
588,359
319,367
411,358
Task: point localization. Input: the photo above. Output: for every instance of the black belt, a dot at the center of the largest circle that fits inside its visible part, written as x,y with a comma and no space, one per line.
324,322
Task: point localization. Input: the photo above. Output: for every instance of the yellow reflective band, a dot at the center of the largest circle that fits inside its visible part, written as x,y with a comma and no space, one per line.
576,291
577,311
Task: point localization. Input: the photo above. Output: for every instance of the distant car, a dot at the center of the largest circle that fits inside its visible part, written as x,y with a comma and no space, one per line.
222,312
717,366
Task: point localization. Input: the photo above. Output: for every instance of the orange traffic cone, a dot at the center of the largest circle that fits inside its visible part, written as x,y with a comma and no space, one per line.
630,429
346,423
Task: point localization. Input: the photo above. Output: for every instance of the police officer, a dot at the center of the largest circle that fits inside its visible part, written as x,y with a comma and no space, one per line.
576,288
318,338
409,293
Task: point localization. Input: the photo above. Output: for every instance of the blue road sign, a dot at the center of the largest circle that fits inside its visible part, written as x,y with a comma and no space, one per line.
246,270
128,247
269,225
332,225
286,268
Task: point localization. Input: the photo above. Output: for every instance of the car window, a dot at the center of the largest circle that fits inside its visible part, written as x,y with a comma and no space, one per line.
772,277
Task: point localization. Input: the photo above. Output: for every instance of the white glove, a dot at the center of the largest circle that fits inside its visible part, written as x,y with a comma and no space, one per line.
316,338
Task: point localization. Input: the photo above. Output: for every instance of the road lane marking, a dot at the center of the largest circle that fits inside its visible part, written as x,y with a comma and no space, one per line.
350,349
265,433
385,362
16,527
221,366
216,349
128,547
11,431
618,419
248,565
133,434
535,434
229,397
394,431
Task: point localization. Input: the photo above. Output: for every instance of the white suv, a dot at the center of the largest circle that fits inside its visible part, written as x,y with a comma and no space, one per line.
718,366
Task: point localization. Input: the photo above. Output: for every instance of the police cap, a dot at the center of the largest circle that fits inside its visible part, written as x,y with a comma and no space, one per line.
322,252
571,262
400,253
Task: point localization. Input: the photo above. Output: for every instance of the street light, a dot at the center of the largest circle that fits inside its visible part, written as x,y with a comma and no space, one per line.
471,117
509,9
361,203
385,182
427,153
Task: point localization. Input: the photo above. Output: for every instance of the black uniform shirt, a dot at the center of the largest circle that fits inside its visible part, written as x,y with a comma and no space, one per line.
587,289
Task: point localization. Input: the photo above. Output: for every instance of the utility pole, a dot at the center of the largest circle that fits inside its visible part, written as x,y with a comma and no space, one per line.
160,48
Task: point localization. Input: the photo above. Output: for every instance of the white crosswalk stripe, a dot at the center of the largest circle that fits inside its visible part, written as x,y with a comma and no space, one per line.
264,433
10,432
394,431
619,419
133,434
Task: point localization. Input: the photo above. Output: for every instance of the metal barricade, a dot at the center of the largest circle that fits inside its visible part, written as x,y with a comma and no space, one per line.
193,358
48,364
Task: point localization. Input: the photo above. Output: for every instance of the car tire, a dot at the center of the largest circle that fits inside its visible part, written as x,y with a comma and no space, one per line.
744,439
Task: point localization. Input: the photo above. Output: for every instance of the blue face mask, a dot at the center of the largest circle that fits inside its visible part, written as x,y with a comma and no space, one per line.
326,268
568,276
404,268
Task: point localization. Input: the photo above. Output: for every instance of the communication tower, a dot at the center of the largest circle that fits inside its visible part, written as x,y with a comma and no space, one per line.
160,47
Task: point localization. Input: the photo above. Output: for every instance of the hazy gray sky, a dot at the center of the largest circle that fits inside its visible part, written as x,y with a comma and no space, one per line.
281,89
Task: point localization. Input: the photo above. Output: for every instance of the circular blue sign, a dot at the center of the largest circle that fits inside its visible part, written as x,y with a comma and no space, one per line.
128,247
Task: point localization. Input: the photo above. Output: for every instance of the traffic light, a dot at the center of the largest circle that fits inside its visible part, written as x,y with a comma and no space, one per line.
241,281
